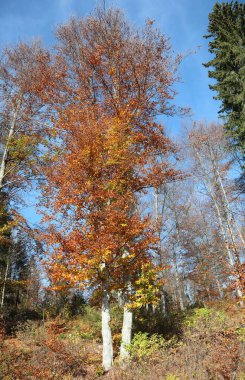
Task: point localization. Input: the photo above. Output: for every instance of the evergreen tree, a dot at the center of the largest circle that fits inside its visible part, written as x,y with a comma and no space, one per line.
5,244
227,30
19,279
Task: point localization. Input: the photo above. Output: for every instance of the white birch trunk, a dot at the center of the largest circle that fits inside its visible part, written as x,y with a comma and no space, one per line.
4,284
106,332
126,333
179,278
177,281
178,286
226,210
163,304
158,216
221,224
6,149
223,191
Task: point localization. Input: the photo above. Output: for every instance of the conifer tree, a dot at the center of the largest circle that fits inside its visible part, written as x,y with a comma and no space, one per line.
227,30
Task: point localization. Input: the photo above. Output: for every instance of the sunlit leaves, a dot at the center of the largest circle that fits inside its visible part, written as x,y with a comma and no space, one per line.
110,148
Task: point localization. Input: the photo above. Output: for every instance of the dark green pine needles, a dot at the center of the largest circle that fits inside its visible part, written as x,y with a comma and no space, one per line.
227,30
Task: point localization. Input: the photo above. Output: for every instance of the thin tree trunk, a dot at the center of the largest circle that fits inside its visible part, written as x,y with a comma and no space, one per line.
107,361
225,206
159,224
208,293
163,303
226,210
226,201
178,286
180,277
6,149
221,293
223,231
4,285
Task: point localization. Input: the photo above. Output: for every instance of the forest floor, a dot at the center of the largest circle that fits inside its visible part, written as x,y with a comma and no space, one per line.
202,344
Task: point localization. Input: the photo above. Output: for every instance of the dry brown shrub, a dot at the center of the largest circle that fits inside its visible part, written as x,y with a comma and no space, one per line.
41,352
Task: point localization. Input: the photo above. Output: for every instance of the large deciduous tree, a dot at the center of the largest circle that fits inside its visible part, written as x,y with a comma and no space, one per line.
110,83
227,30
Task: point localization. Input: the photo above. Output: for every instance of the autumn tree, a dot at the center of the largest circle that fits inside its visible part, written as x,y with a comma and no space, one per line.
23,74
112,82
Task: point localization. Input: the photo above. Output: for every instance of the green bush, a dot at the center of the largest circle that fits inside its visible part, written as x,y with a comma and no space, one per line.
240,332
241,376
206,318
170,376
145,346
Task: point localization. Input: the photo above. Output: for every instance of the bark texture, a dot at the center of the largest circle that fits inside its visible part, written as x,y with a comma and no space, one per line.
126,333
106,332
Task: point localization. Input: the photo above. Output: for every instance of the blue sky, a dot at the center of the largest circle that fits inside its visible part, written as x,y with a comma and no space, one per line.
184,21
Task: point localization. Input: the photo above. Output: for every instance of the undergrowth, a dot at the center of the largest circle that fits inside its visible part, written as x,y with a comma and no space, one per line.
204,344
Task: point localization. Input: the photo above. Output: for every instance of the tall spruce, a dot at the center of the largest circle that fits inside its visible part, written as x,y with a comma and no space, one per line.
227,30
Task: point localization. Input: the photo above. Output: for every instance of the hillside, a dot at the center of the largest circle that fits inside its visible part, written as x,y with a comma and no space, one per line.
202,343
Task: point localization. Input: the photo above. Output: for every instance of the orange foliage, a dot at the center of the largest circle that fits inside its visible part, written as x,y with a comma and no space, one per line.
107,148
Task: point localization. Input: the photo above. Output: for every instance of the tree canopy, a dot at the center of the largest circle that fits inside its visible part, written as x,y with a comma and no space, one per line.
227,32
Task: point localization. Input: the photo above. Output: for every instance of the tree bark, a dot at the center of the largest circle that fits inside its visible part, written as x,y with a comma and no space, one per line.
179,277
126,333
178,285
106,332
4,285
163,303
6,149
